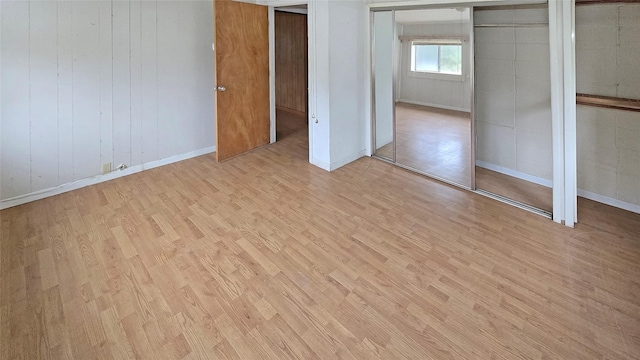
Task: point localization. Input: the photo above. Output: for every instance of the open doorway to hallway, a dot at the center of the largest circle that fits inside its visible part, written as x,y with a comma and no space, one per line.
291,75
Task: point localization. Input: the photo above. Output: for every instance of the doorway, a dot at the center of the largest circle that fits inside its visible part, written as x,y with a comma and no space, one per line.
291,75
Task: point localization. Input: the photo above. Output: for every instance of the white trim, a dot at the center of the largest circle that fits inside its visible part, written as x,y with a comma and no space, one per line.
302,11
571,122
56,190
272,75
516,174
609,201
276,3
311,76
446,107
321,164
340,163
557,107
446,3
570,132
436,76
368,115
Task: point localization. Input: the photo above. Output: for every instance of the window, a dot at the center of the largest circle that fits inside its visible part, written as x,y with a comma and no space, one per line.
442,57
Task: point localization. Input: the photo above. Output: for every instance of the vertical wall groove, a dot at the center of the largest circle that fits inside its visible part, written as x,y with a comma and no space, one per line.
92,82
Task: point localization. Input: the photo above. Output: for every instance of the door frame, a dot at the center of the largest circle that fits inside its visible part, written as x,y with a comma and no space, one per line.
311,30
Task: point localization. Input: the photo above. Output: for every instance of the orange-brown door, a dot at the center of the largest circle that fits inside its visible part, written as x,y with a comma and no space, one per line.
241,37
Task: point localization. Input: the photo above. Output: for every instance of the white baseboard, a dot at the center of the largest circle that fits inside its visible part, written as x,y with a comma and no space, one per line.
548,183
385,141
321,164
446,107
609,201
346,160
41,194
340,163
515,173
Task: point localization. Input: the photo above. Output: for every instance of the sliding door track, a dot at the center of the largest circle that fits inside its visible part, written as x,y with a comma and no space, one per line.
488,194
515,203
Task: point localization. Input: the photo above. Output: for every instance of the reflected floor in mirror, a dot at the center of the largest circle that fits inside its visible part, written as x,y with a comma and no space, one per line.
437,142
526,192
434,141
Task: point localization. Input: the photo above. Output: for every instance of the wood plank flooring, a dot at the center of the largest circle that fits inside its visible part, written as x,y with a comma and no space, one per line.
523,191
267,257
436,142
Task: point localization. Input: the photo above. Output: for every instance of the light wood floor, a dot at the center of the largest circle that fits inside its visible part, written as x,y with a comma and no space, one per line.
266,256
290,123
523,191
437,142
434,141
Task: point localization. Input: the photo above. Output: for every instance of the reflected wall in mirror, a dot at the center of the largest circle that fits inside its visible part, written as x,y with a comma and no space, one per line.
513,104
383,65
433,102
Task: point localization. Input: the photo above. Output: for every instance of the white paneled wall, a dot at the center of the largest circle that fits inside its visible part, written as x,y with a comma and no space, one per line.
90,82
513,94
447,93
607,62
347,56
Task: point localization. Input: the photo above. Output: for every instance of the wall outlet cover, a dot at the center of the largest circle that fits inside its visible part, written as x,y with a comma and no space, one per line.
106,168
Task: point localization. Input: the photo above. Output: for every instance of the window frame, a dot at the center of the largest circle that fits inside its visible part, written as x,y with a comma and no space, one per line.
430,74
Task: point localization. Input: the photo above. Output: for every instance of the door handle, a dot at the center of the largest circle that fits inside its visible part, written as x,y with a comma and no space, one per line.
221,88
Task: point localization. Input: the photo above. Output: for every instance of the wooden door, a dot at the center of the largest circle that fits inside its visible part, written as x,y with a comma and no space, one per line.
241,38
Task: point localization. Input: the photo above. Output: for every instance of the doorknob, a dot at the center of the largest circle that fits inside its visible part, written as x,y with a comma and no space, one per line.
221,88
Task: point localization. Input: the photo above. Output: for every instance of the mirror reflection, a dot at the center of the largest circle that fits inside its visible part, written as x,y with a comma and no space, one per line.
383,65
433,93
514,156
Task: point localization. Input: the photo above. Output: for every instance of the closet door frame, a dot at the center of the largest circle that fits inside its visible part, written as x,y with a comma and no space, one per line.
374,147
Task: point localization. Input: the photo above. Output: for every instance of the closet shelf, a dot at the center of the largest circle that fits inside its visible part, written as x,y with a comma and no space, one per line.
608,102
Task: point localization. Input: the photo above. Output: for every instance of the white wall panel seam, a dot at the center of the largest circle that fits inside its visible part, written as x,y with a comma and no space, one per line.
29,102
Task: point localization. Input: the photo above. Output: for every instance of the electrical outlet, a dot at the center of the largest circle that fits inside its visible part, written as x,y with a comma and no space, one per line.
106,168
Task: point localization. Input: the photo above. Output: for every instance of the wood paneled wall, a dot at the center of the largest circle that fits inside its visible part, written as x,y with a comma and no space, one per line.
291,61
91,82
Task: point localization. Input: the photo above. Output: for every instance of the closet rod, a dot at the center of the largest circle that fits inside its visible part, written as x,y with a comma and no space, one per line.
609,102
511,25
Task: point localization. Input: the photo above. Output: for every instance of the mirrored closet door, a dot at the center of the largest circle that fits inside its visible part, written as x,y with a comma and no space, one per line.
422,61
513,105
383,84
463,95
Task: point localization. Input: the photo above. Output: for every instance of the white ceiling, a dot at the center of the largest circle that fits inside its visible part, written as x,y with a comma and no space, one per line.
432,16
